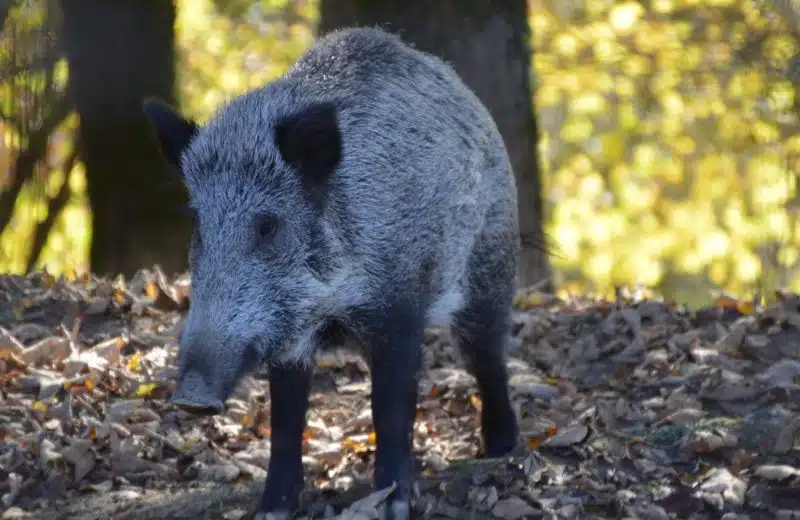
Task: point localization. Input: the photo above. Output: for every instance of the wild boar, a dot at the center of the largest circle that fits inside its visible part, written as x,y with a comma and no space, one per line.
367,190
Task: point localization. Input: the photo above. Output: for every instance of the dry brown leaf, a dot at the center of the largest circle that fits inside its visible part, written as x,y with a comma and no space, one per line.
98,306
15,485
731,342
234,514
9,344
80,455
368,505
48,349
514,508
776,472
721,482
637,374
572,434
783,374
707,442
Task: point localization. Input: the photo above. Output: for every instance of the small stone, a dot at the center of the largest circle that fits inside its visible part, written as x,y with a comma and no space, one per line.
513,508
651,512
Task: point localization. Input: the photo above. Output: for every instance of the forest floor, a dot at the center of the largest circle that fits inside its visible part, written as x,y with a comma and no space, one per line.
629,409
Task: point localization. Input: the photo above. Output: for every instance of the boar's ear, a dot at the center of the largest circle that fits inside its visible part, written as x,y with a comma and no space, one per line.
310,140
173,131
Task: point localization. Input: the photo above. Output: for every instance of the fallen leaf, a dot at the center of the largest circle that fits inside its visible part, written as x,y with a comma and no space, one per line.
514,508
776,472
145,390
572,434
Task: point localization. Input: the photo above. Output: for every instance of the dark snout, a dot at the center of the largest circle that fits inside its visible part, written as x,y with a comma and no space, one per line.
194,396
209,371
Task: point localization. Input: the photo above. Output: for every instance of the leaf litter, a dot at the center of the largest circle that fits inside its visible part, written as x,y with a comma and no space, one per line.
632,408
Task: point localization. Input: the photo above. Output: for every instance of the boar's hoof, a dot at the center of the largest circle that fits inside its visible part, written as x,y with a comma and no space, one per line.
395,510
195,407
274,515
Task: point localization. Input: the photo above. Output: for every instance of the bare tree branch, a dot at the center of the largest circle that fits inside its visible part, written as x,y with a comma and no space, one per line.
5,9
28,158
54,208
42,62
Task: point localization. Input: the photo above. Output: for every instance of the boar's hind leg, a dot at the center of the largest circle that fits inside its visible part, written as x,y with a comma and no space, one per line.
481,330
393,338
288,387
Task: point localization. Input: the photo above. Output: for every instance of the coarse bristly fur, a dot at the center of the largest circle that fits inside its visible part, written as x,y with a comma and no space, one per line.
368,169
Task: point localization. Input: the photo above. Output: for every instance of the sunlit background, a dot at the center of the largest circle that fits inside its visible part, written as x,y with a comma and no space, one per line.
668,138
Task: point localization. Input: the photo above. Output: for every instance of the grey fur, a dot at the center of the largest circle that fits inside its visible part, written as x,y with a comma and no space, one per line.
423,200
418,206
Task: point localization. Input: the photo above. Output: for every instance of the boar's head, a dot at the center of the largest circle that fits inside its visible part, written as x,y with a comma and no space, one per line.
257,178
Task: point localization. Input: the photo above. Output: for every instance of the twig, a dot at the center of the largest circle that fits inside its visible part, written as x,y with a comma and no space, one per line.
28,158
47,61
5,8
54,208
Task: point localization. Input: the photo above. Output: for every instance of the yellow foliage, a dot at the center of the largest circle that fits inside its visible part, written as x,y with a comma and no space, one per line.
697,180
577,130
598,267
548,96
624,16
663,6
788,256
608,51
567,45
669,153
781,96
589,104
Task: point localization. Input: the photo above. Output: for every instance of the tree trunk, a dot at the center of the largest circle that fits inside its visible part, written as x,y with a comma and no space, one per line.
487,42
118,53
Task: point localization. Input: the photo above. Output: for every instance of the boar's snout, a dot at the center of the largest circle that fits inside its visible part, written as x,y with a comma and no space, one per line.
210,366
194,396
197,409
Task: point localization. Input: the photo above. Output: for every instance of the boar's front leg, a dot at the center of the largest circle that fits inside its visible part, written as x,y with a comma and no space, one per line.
289,388
393,337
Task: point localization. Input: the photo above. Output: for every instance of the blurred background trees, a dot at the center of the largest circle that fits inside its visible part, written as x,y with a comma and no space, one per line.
119,53
667,135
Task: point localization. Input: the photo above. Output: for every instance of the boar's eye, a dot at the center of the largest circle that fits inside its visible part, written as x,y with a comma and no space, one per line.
265,226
